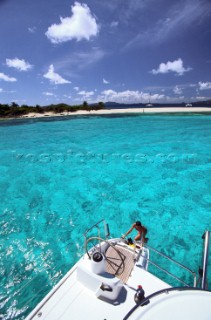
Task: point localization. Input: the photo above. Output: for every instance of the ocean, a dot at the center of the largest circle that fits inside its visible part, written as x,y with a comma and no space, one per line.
61,175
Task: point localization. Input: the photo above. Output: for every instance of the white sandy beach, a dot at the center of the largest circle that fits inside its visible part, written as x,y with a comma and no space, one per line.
121,111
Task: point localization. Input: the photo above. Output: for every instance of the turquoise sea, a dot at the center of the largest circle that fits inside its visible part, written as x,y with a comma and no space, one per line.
61,175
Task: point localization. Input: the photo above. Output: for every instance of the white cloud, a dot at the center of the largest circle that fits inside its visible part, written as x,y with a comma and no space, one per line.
32,29
129,96
81,25
204,85
201,98
86,94
1,90
177,90
18,64
105,81
54,77
114,24
76,88
48,94
4,77
174,66
67,96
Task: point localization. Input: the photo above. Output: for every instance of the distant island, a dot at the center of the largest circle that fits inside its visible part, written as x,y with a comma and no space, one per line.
13,110
115,105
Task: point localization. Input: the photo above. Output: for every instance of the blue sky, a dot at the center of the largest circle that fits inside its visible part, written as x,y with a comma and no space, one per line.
120,50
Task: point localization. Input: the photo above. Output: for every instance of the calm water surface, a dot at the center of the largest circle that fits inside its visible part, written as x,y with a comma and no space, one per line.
59,176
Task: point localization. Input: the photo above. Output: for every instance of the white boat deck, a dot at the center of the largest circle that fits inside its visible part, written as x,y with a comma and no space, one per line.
102,286
72,300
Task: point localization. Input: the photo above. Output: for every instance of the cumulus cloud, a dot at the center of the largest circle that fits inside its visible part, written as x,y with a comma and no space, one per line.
177,90
54,77
19,64
105,81
81,25
129,96
204,85
174,66
48,94
200,98
86,94
6,78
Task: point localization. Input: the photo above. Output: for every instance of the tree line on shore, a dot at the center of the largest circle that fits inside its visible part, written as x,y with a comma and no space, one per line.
14,110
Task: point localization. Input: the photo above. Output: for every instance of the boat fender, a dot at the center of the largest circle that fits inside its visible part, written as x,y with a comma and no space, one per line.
143,258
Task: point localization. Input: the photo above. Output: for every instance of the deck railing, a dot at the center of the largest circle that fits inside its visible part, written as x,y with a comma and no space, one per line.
204,271
102,230
193,274
104,233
